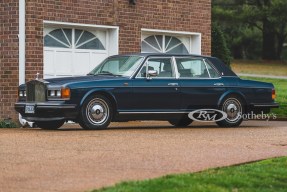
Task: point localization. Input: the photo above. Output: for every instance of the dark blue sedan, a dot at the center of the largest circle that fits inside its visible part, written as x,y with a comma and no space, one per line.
145,87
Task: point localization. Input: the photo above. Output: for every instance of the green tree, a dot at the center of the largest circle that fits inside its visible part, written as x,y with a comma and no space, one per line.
267,16
219,48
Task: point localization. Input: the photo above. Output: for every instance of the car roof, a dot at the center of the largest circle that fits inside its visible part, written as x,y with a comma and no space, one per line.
218,64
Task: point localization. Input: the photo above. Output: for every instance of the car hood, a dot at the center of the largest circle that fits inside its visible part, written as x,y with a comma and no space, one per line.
65,80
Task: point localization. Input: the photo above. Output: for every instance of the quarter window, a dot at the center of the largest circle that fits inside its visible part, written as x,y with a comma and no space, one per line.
195,68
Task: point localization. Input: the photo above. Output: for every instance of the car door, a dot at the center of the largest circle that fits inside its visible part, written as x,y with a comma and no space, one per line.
200,83
159,93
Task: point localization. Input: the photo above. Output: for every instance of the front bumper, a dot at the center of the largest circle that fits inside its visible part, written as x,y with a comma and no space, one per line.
48,111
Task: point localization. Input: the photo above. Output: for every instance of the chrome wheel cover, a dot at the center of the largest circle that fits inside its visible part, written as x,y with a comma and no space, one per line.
233,108
97,111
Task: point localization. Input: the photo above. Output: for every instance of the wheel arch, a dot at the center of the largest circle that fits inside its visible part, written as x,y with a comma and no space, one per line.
102,92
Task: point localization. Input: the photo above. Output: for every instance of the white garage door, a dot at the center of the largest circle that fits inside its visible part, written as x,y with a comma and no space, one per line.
73,52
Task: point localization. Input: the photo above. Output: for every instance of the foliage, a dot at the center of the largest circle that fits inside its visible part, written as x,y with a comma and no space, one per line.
260,67
249,24
267,175
7,123
219,48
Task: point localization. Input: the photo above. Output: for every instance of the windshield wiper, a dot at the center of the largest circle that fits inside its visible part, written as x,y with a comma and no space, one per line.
105,73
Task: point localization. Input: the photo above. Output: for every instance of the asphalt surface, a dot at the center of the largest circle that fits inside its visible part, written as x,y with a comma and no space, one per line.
71,159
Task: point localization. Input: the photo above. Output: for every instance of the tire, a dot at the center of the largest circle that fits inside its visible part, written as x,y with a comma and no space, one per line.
234,109
183,122
50,125
96,113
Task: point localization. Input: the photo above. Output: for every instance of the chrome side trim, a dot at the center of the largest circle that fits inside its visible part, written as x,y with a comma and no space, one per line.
148,112
267,105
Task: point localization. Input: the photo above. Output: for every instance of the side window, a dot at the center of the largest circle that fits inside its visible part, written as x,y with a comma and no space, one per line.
213,73
194,68
163,66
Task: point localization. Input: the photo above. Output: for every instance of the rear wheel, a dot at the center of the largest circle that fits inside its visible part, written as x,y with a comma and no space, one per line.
233,107
183,122
96,113
51,125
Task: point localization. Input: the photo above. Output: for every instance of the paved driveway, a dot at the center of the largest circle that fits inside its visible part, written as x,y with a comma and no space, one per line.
72,159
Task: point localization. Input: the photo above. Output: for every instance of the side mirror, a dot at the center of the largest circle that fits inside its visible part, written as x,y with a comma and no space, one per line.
152,73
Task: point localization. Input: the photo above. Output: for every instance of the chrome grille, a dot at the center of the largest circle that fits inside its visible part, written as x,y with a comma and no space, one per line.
36,91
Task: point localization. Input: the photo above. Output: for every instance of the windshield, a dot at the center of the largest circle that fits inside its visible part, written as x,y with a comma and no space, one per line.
118,66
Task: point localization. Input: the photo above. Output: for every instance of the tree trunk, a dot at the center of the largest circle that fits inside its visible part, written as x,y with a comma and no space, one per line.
280,44
269,41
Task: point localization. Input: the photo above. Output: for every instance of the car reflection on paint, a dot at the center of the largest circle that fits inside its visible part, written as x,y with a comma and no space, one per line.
144,87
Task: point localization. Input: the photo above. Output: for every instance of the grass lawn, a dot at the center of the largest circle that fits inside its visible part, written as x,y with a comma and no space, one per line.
263,176
260,67
281,94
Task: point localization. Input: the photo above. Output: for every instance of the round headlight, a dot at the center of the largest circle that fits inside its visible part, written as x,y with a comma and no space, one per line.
52,93
58,93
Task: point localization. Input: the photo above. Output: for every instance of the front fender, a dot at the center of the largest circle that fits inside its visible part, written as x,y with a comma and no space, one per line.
104,91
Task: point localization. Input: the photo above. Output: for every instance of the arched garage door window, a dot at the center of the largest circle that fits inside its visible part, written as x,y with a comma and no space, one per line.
163,44
73,52
63,38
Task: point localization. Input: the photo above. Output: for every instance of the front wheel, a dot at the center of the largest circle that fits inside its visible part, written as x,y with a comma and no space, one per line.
51,125
233,108
96,113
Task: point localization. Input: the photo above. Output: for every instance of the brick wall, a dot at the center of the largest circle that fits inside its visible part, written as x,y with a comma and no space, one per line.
176,15
8,57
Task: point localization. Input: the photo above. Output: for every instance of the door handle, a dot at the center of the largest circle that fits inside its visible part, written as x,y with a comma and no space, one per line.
172,84
218,84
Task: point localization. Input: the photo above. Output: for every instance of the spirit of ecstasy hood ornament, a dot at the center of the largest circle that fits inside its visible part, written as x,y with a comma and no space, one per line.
37,76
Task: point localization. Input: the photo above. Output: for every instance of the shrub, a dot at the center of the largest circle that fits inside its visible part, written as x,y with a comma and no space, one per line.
219,47
7,123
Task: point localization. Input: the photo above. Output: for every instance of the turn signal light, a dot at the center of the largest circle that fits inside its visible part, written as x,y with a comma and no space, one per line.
66,93
273,94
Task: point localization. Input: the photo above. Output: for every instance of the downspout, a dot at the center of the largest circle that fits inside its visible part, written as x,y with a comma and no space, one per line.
22,49
22,46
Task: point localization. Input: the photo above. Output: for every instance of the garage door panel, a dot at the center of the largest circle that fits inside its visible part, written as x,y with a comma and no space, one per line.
82,52
49,62
81,63
62,61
